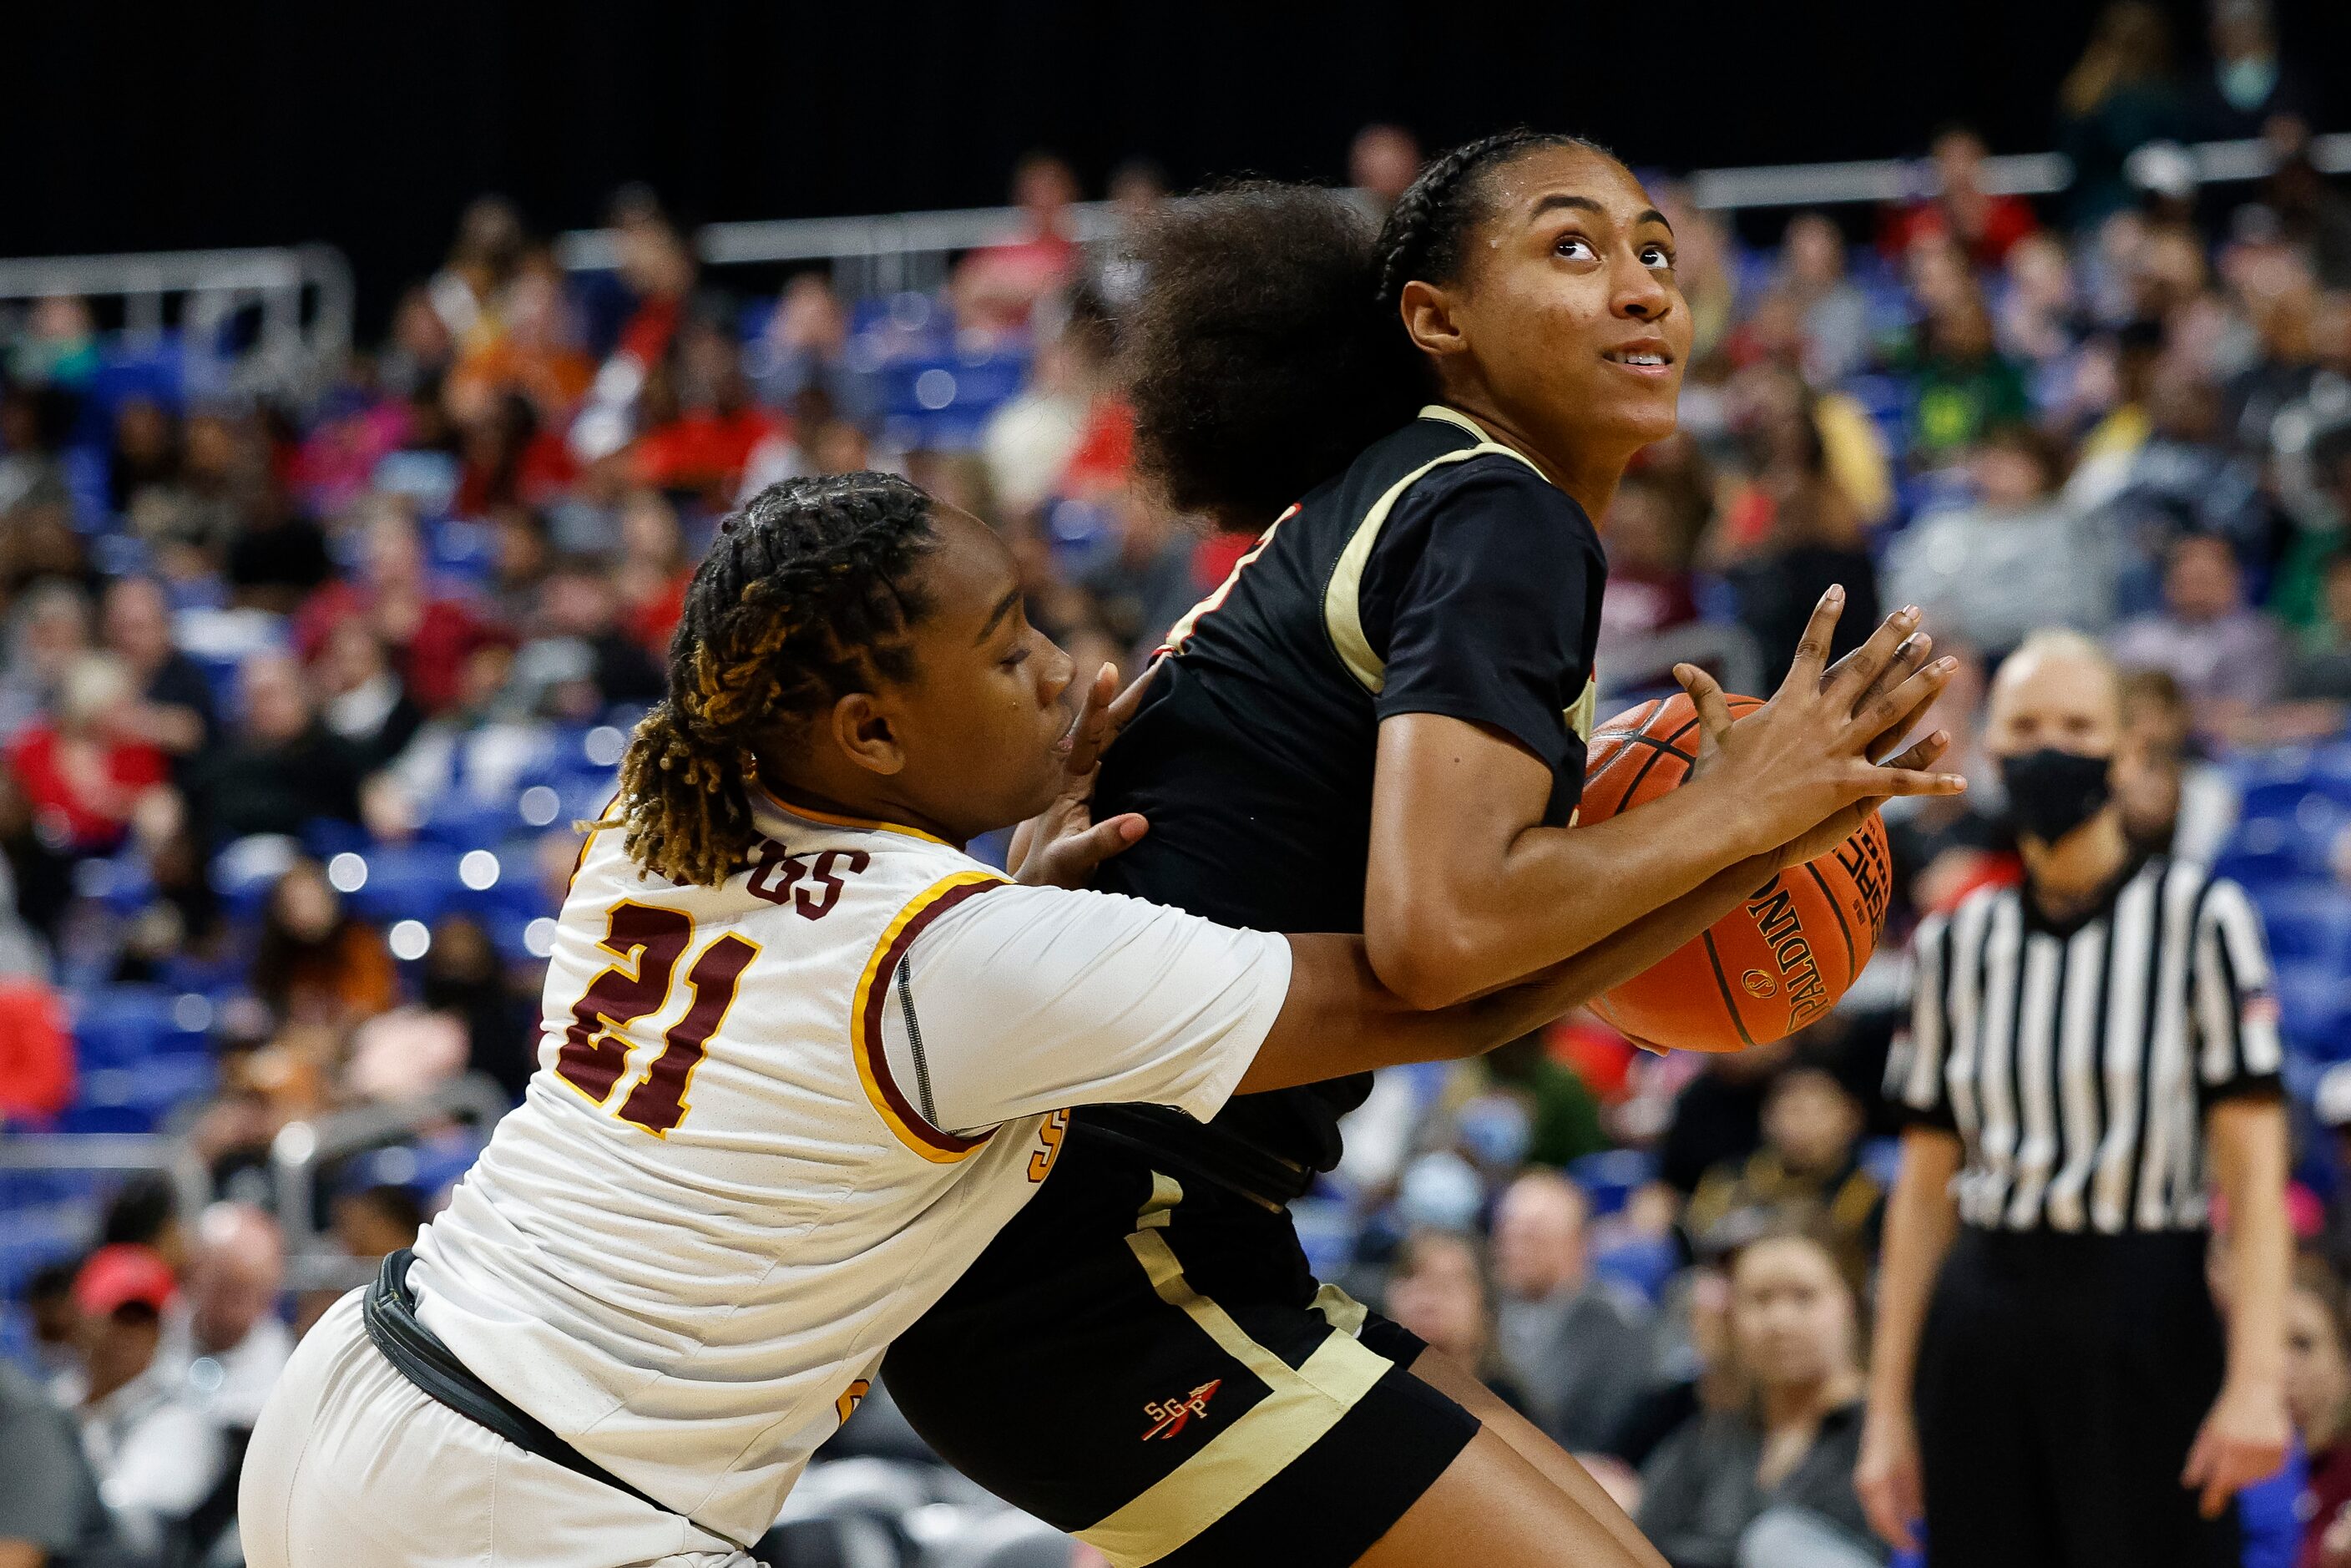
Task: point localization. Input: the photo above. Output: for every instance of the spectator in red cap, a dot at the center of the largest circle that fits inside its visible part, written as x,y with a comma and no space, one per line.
154,1455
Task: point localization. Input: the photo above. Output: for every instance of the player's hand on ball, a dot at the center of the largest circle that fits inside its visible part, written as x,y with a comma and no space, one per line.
1062,844
1814,756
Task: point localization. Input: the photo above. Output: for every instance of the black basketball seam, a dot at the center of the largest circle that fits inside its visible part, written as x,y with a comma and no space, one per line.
1634,787
1723,984
1850,973
1655,746
1667,746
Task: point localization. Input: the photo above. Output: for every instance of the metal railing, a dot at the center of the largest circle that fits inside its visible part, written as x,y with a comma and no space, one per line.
192,1184
303,295
301,1147
889,251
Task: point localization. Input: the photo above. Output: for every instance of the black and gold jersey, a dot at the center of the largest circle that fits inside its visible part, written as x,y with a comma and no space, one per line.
1440,573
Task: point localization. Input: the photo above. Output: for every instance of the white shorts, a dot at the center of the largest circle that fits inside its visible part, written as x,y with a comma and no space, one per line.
352,1466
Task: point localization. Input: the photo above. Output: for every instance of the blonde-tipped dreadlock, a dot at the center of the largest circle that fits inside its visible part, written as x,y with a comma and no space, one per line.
802,600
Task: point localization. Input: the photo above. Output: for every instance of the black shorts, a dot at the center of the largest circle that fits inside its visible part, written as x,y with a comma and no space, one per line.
1156,1371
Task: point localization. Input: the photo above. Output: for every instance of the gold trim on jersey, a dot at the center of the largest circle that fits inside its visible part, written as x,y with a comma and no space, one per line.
1301,1406
897,1112
835,820
1342,614
1181,632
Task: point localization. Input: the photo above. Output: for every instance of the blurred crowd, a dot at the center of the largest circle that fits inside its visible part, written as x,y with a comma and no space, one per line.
275,672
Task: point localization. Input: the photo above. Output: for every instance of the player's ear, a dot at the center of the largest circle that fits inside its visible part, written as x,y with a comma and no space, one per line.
1428,312
865,733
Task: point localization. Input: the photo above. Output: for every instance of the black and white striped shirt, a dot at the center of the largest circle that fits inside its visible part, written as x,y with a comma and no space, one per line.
2077,1062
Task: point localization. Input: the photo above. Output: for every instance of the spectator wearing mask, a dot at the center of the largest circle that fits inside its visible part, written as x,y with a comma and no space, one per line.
154,1454
280,767
1768,1483
2318,1397
2225,656
2014,558
2247,84
50,1513
1807,1172
1575,1346
224,1337
84,772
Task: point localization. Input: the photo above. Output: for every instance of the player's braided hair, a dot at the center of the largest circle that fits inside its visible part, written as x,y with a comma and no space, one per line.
1265,349
804,598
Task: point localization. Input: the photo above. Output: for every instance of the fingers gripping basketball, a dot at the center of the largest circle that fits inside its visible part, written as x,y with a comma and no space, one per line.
1770,967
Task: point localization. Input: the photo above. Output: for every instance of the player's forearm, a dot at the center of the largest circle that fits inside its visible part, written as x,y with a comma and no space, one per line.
1920,1219
1461,922
1341,1017
2249,1143
1641,944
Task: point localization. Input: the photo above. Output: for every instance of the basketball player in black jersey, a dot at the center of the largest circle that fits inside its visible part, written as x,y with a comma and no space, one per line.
1376,725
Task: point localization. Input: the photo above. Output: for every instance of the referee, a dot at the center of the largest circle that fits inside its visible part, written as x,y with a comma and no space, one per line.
2053,1388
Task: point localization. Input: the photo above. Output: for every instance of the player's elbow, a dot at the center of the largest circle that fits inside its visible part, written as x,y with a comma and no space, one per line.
1426,965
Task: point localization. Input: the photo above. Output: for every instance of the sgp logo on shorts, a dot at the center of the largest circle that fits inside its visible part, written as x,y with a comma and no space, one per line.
1168,1417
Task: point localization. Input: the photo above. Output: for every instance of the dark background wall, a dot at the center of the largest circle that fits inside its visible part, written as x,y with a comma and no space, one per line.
369,123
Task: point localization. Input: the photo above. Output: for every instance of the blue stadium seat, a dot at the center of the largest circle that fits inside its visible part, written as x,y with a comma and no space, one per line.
138,1098
1642,1264
122,1026
406,882
1611,1177
34,1238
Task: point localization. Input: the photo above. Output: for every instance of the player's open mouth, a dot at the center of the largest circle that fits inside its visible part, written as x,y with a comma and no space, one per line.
1641,360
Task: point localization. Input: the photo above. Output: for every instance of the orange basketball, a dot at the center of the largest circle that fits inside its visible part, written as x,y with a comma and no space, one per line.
1773,965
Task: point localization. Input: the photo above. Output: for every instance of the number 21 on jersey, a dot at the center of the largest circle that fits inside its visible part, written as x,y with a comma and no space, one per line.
648,941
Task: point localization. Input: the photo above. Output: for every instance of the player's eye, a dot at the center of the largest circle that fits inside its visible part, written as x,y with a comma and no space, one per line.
1658,256
1017,657
1575,247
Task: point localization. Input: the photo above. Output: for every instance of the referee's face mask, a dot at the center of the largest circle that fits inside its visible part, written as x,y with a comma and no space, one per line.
2051,792
2053,726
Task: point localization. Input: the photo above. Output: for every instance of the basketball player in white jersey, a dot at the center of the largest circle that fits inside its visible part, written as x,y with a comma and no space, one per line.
802,1058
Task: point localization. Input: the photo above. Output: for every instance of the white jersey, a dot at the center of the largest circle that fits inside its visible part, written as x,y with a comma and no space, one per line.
773,1120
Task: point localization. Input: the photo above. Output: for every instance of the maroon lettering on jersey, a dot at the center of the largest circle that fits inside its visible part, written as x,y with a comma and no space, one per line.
649,938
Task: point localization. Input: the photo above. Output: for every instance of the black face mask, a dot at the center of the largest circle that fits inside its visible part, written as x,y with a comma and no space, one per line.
2052,792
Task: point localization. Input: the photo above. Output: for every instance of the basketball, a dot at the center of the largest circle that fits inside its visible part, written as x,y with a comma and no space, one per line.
1771,965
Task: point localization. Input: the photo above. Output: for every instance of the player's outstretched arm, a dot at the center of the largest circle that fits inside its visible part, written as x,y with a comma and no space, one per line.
1467,891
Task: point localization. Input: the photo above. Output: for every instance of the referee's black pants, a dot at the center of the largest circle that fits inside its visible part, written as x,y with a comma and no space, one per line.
2061,1379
